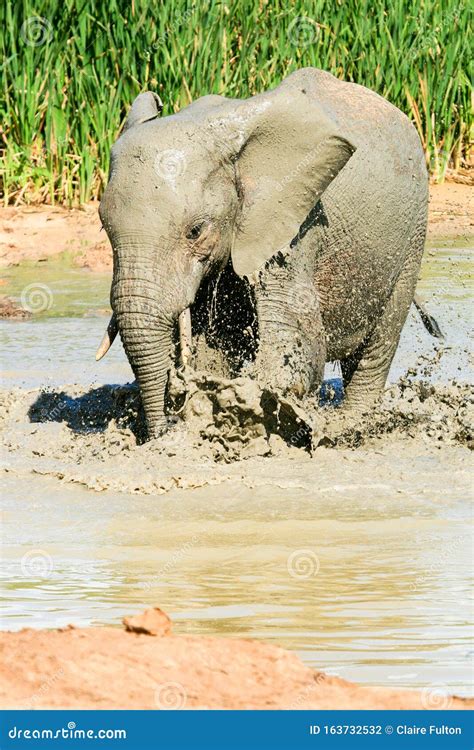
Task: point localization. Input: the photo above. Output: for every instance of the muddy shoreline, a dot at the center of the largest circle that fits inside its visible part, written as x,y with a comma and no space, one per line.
146,667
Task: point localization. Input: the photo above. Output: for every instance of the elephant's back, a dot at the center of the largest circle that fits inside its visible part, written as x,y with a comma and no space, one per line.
375,126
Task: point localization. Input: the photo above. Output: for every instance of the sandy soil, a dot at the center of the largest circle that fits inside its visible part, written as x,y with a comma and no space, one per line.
146,667
36,233
451,211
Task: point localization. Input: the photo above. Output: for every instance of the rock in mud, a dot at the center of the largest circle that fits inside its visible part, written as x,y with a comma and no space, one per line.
150,622
9,309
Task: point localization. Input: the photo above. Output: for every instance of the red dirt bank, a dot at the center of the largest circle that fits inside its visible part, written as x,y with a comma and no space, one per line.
145,667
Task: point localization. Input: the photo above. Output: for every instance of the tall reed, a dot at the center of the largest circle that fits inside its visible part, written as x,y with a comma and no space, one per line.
71,69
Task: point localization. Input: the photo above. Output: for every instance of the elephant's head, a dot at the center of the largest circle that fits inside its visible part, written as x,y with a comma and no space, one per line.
220,179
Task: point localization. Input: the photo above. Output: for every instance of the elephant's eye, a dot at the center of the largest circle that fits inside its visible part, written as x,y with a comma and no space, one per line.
195,231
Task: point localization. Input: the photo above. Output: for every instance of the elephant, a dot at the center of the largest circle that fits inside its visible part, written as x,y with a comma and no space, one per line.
291,225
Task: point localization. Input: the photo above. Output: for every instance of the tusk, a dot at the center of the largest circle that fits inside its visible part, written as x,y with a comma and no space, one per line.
185,336
108,340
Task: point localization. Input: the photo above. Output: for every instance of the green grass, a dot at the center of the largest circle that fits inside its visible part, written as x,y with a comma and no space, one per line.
71,69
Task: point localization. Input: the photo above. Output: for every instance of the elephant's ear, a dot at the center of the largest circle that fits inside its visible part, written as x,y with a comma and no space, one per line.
146,106
291,151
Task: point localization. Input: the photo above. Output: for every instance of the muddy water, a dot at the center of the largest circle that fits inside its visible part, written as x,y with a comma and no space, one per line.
358,559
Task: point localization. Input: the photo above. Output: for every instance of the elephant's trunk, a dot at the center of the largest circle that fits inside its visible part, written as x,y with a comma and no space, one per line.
146,330
148,347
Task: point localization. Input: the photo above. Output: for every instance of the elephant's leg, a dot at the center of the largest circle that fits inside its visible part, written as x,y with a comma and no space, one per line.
292,344
350,364
365,372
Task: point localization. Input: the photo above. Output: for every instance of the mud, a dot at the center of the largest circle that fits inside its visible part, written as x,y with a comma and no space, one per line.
12,310
451,209
237,419
36,233
219,429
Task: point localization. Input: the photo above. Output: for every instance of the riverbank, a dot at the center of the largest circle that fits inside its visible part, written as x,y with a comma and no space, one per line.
36,233
146,667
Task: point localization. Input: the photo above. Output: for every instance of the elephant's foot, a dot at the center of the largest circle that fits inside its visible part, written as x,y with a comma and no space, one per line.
280,378
288,363
360,401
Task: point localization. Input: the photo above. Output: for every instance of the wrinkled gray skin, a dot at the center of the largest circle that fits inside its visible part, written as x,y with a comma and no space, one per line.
316,192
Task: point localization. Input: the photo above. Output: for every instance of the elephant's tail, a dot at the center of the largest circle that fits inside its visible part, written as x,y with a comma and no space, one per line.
430,323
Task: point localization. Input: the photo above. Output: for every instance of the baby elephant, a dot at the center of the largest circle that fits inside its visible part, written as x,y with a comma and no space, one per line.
291,223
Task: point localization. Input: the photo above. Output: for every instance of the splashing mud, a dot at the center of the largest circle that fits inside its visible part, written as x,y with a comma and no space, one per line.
218,427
